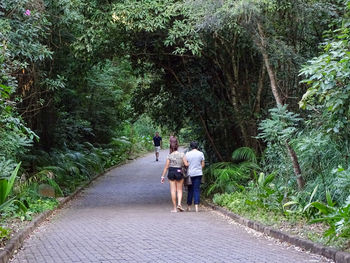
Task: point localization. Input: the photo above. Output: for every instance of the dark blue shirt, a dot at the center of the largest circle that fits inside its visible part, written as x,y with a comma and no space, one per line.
157,140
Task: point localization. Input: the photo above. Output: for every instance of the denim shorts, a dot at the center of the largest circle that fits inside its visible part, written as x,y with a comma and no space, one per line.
175,173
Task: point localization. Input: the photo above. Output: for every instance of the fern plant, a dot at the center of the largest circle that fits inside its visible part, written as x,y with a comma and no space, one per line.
227,177
281,127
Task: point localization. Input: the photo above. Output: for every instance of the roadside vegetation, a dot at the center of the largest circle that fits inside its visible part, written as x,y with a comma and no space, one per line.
263,85
64,116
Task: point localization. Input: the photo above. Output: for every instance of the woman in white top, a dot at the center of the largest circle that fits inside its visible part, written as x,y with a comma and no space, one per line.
194,159
173,166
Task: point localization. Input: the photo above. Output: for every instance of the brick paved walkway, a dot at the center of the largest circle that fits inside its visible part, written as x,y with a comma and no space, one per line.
125,217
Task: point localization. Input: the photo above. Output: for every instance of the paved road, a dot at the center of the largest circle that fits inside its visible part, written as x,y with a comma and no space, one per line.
125,217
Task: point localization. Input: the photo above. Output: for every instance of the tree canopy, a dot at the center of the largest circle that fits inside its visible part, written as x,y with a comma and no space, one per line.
91,77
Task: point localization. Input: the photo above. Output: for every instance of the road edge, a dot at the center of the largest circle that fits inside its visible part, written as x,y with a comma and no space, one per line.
337,255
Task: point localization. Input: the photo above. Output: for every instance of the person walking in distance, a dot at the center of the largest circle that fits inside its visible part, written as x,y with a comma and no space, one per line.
194,159
157,141
173,142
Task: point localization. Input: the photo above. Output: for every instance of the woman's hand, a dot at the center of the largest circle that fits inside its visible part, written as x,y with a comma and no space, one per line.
166,167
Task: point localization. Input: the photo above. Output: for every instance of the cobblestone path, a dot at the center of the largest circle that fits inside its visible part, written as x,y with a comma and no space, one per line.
125,216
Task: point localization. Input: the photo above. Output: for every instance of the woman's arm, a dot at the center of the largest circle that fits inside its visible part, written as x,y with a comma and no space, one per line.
185,161
202,163
166,167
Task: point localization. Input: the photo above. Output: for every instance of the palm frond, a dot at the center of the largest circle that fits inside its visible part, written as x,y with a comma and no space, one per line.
222,165
244,153
57,170
248,166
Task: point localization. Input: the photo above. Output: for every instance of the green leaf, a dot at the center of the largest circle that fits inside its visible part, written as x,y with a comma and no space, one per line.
329,199
7,203
269,179
324,209
313,193
6,184
21,205
244,153
12,179
3,189
261,179
290,203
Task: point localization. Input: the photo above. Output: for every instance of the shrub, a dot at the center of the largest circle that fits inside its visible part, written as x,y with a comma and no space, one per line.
229,176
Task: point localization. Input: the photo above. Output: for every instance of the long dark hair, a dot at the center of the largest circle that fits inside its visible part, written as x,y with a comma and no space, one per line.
174,146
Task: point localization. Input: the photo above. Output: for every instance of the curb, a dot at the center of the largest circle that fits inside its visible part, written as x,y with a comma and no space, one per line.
17,241
328,252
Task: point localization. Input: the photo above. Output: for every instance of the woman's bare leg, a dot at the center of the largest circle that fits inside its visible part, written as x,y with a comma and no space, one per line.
179,185
173,194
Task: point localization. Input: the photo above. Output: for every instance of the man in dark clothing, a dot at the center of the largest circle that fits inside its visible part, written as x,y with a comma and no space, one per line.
157,141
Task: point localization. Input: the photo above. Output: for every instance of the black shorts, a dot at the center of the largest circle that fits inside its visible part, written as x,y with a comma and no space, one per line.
175,174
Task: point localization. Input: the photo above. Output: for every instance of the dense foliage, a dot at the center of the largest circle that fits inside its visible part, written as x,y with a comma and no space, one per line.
83,84
64,102
320,139
233,72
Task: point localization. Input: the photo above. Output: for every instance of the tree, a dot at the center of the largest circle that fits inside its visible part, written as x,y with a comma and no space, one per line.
241,41
328,76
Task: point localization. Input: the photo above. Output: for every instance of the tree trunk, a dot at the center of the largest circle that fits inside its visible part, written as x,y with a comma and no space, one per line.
233,82
236,108
269,69
257,104
274,88
210,138
296,166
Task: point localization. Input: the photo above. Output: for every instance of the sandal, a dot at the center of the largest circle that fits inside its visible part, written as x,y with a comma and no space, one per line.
179,207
